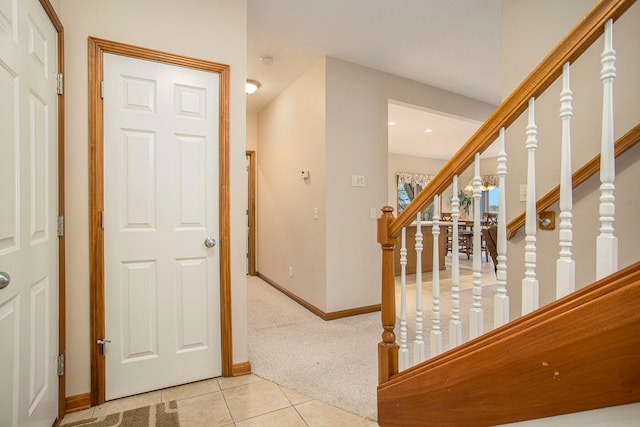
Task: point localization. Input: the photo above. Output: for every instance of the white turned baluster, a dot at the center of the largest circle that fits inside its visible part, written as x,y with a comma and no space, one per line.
501,299
530,283
435,347
418,343
476,315
607,243
565,265
403,359
455,325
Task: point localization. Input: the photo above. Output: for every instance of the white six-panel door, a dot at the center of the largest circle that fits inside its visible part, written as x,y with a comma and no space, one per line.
28,210
161,203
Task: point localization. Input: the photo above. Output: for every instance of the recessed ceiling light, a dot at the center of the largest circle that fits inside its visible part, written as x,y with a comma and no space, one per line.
428,131
392,123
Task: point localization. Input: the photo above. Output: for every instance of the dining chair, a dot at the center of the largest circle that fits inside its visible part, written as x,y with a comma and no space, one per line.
448,231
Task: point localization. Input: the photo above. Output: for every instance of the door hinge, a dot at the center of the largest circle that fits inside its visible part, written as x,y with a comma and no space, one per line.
102,89
59,84
60,225
60,365
102,219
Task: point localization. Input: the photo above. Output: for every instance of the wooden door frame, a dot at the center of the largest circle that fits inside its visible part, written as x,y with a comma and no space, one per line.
251,207
97,49
57,25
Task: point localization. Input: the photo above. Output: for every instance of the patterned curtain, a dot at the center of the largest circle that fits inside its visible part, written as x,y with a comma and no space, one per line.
413,179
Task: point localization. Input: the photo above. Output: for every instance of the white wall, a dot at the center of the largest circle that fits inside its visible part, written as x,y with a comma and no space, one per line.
526,41
56,6
521,52
252,131
356,145
214,30
357,115
252,145
336,259
291,138
619,416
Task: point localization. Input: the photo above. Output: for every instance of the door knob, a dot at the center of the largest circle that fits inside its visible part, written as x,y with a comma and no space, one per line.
5,279
209,242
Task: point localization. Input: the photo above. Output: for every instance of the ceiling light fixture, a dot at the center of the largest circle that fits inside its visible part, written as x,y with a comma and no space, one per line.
428,131
392,123
252,86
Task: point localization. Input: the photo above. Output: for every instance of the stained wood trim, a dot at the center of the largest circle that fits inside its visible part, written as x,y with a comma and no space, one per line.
252,183
332,315
97,48
240,369
387,348
589,169
53,17
225,216
568,50
575,354
315,310
107,46
96,243
312,308
76,403
57,24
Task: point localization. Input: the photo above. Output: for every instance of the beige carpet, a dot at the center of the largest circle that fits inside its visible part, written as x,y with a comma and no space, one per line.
160,415
336,361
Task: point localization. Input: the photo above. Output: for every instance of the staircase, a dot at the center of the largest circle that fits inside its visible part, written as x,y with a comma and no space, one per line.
581,351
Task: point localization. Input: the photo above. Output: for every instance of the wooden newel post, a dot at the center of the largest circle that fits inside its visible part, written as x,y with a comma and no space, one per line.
387,348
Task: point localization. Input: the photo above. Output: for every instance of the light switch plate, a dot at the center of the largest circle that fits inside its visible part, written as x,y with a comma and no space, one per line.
357,180
523,192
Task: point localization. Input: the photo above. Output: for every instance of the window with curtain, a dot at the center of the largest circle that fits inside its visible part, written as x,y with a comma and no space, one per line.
489,200
409,185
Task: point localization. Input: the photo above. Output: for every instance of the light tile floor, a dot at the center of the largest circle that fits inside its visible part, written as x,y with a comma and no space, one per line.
247,401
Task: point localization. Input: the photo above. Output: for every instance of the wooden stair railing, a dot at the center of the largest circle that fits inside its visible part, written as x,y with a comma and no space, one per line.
589,169
568,50
387,348
578,353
